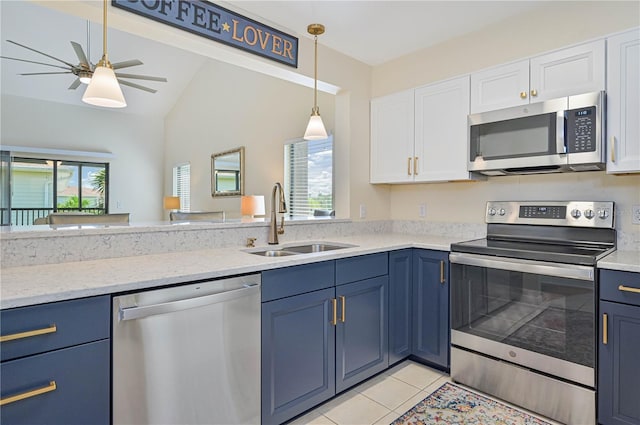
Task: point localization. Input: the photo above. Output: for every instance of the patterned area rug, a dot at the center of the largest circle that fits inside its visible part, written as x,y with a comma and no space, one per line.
453,405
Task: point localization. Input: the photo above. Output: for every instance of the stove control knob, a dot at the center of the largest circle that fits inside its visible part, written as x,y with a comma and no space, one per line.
492,211
502,211
589,214
575,213
604,213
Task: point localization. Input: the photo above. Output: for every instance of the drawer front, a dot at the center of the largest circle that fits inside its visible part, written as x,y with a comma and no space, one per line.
290,281
360,268
619,286
82,388
55,325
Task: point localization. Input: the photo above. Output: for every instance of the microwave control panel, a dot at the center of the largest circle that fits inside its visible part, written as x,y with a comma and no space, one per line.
581,129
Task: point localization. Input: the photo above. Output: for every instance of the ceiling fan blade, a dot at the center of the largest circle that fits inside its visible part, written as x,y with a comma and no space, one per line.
75,84
126,64
136,86
44,54
141,77
46,73
80,53
28,61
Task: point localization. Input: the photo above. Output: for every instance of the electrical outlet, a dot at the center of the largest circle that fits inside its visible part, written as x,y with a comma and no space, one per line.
422,210
635,214
118,205
363,211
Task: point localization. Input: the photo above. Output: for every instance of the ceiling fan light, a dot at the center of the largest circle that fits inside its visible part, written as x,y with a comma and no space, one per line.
315,128
85,77
104,90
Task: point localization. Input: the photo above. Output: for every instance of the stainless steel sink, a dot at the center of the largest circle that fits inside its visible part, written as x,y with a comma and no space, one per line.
307,248
314,247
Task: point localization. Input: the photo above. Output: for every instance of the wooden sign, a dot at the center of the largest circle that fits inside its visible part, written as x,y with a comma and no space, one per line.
217,23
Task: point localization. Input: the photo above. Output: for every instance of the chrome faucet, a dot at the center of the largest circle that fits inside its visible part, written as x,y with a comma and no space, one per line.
274,231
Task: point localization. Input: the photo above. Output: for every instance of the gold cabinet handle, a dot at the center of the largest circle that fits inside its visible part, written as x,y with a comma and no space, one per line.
442,280
43,331
28,394
343,301
409,166
628,289
523,95
334,303
415,165
605,336
534,93
612,142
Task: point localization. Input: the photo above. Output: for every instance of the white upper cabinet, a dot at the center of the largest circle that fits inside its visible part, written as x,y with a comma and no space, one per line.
574,70
392,138
623,103
441,111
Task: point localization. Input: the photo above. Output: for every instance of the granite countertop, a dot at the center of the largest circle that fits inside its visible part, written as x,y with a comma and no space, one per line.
621,260
40,284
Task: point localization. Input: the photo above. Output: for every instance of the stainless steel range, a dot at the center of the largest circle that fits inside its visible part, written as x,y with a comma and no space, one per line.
523,305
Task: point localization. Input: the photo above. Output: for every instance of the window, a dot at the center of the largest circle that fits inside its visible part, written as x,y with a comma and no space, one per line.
182,185
42,186
309,177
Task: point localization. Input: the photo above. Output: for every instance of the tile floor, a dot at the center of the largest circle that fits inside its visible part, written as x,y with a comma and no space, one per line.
380,400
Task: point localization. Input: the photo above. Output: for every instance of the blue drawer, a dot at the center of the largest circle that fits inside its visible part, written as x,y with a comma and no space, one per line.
362,267
82,386
289,281
619,286
76,322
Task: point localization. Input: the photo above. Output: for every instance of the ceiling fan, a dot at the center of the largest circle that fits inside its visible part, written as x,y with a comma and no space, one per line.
84,69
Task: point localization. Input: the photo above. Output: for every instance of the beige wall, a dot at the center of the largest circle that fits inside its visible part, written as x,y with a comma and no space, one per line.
552,26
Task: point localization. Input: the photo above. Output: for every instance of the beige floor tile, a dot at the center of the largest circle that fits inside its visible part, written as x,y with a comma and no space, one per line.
389,391
415,374
437,384
387,419
313,418
356,410
408,404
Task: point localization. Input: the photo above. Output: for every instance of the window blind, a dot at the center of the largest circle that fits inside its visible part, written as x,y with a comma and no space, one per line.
182,185
309,177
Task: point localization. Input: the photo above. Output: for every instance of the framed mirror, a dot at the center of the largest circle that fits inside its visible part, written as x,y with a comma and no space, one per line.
227,173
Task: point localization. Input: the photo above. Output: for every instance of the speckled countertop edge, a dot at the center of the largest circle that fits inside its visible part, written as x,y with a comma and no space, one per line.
621,260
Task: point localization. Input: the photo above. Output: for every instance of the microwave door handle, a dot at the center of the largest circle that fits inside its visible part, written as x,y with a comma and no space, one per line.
561,146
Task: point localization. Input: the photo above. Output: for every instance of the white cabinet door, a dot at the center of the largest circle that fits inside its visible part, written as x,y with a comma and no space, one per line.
392,138
500,87
441,131
623,103
575,70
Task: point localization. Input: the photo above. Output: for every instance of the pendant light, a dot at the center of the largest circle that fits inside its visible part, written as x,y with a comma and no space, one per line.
315,128
104,90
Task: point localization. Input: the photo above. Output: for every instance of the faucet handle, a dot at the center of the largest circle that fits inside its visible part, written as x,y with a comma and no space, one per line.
251,242
281,229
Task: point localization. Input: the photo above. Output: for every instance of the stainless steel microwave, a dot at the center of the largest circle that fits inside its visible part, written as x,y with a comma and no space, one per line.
558,135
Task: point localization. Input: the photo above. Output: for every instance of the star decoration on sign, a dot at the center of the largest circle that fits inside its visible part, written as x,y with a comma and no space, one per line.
226,27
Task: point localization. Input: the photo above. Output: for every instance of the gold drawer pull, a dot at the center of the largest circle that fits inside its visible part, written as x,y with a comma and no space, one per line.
43,331
523,95
442,280
343,300
613,148
409,166
28,394
628,289
534,92
605,338
334,304
415,165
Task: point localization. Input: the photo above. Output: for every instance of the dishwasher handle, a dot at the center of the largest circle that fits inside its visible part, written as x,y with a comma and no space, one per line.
132,313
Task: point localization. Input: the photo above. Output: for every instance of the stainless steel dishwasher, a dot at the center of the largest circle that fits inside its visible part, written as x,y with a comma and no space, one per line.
188,354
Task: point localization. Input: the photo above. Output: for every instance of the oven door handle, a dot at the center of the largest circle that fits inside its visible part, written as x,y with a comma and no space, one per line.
569,271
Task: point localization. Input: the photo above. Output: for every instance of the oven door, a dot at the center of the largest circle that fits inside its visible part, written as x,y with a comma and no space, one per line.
535,314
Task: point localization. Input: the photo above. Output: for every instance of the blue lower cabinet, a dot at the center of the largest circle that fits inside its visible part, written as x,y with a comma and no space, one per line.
618,364
361,332
400,309
65,386
430,300
298,354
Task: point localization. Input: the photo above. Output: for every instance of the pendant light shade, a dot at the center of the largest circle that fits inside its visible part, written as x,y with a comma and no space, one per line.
315,128
104,89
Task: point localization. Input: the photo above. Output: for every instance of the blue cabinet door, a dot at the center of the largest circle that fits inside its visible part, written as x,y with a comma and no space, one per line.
431,307
361,333
400,310
618,370
298,354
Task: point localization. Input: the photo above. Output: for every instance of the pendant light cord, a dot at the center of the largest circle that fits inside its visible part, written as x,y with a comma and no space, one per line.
104,32
315,76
